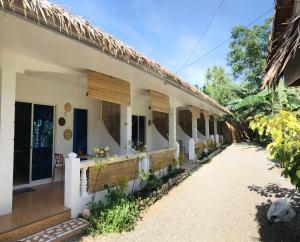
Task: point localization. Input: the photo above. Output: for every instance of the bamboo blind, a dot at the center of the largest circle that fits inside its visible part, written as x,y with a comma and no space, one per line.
195,112
201,124
185,121
111,116
162,159
161,122
159,102
210,144
199,147
108,88
111,173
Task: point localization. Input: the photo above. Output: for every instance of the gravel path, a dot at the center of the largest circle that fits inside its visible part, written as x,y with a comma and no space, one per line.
225,200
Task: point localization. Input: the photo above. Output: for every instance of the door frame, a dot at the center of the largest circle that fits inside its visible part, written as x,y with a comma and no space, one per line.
46,180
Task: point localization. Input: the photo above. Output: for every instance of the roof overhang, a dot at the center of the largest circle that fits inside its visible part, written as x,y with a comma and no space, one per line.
62,22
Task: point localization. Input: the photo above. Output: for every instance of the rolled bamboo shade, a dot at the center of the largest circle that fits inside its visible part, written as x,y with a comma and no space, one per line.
108,88
159,102
195,112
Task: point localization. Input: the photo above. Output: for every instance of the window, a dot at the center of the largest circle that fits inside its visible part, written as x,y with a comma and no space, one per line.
138,129
201,124
111,116
161,122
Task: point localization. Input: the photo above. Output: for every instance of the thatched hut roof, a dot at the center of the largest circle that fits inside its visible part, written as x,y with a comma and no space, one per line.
59,19
284,40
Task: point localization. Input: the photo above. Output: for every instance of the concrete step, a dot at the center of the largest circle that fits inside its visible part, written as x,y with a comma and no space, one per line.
59,232
34,227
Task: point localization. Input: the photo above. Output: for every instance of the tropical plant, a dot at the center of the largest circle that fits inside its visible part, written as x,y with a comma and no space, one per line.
266,102
119,215
149,180
284,130
242,108
139,147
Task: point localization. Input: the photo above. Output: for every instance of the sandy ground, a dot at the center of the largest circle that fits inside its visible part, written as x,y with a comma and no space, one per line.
225,200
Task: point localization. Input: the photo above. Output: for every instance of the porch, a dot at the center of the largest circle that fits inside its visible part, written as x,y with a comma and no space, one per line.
51,105
34,210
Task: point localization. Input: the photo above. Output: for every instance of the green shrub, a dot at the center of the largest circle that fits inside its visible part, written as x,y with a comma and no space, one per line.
119,215
284,131
153,182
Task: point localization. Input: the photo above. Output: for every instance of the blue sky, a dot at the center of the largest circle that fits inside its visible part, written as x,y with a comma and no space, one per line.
168,30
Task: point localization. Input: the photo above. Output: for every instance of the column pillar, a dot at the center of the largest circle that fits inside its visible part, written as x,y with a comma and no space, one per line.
216,130
206,118
7,118
126,129
73,188
172,127
194,128
195,115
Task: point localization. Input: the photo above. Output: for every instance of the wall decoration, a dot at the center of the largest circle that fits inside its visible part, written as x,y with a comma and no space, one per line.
68,107
68,134
61,121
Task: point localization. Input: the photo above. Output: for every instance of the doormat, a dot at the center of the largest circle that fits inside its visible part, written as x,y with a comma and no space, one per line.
23,190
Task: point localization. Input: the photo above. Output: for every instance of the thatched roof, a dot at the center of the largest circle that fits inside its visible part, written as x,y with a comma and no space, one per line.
284,40
59,19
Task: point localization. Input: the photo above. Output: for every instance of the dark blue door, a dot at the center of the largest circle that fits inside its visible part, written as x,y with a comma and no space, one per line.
80,131
42,141
22,143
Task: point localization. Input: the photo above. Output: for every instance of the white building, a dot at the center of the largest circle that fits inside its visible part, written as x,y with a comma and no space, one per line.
66,86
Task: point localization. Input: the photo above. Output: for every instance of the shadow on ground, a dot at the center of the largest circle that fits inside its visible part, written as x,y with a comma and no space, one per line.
283,232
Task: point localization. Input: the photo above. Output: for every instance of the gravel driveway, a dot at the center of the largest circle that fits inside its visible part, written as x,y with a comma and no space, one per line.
225,200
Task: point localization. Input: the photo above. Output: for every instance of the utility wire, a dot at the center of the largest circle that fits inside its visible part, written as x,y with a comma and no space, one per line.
223,42
202,36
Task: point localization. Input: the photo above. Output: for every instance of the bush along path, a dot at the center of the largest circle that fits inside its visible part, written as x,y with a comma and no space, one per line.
123,211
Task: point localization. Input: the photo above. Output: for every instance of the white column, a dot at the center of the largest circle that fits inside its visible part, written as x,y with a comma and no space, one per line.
191,149
7,117
206,118
216,130
172,127
194,128
126,127
72,184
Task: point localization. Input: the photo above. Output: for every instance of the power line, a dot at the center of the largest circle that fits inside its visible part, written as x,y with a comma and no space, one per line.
223,42
202,35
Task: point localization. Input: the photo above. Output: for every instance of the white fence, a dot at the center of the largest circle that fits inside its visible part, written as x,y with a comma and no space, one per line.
77,195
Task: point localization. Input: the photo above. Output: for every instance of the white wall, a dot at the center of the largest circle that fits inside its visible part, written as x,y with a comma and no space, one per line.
57,91
201,136
140,106
181,135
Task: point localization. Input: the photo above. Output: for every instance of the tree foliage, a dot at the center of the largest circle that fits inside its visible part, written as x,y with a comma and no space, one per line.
219,85
266,102
284,130
248,53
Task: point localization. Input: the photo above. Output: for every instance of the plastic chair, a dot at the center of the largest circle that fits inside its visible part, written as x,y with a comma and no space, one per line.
59,164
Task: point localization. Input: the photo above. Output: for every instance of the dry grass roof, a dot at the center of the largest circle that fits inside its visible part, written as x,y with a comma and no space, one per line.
284,40
59,19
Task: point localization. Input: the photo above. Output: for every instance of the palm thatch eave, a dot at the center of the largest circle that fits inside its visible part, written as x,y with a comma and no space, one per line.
59,19
289,44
